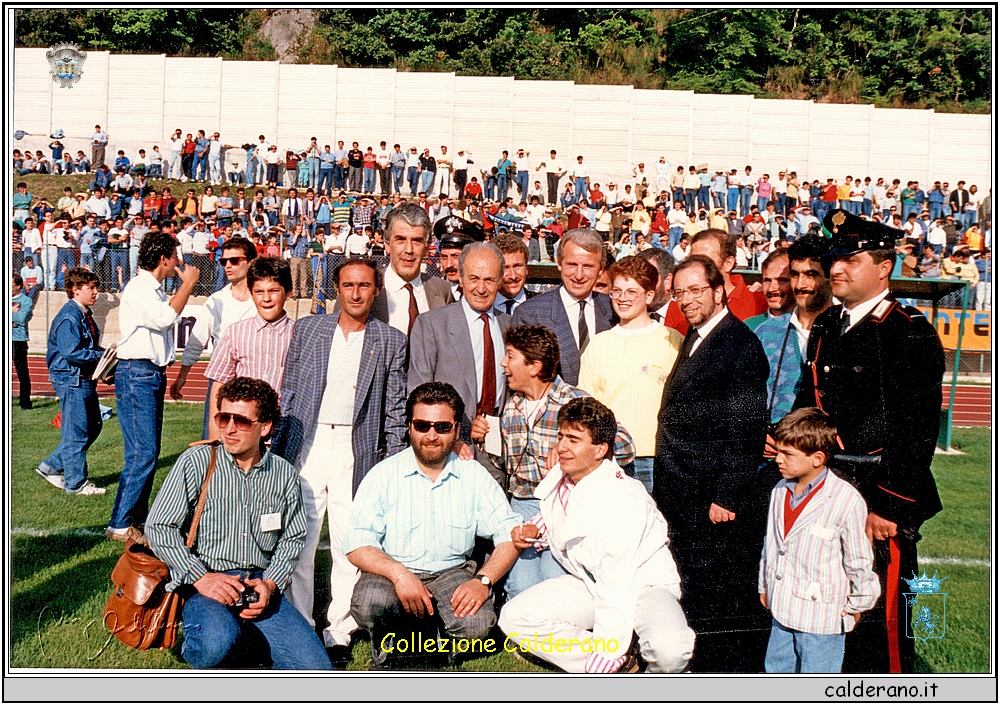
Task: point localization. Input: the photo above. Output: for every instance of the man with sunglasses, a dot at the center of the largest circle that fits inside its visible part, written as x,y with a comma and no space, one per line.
245,549
222,309
412,530
343,395
709,444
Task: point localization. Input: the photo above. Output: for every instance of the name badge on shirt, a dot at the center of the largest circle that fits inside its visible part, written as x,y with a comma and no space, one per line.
270,522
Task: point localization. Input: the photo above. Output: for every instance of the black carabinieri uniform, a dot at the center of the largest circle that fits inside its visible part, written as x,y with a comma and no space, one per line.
881,383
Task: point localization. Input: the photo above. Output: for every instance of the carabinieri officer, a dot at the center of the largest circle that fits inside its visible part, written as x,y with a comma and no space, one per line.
876,367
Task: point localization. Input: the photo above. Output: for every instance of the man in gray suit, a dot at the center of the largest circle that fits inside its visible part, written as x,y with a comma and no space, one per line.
573,311
407,292
343,402
462,344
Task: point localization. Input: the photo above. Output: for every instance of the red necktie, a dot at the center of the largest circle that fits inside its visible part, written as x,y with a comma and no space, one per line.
413,311
92,324
488,399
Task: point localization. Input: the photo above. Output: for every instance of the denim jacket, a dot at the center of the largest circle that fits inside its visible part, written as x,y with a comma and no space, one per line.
73,352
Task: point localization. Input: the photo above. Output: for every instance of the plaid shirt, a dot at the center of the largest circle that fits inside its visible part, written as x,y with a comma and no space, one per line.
525,449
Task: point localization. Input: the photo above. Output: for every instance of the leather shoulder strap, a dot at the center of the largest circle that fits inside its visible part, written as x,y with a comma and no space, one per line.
193,531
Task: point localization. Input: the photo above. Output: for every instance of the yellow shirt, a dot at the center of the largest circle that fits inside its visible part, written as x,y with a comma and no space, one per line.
626,370
844,192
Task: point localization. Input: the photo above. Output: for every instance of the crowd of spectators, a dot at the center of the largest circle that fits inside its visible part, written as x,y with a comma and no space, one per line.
319,204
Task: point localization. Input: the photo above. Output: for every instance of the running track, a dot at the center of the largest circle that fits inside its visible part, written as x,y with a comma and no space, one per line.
972,403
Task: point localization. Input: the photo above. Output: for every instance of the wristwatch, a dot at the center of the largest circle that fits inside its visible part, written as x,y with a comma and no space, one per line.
485,580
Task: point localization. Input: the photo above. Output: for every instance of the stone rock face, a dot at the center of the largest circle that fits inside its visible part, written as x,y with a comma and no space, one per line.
284,28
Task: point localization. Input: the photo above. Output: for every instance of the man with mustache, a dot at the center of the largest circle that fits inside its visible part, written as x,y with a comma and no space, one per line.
785,336
777,287
412,530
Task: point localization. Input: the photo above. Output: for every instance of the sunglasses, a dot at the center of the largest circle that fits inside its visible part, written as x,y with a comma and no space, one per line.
231,260
442,427
223,418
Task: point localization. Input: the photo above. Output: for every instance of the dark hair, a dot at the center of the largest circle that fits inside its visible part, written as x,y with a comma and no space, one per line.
635,267
433,393
773,257
808,430
537,344
77,277
814,247
727,243
409,213
269,268
661,259
510,244
365,261
712,274
154,246
241,243
592,415
18,281
879,256
255,390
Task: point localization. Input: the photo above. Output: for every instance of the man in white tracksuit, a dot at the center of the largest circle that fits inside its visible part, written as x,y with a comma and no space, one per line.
604,529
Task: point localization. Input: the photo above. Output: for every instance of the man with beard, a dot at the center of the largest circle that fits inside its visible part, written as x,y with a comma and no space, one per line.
785,337
413,527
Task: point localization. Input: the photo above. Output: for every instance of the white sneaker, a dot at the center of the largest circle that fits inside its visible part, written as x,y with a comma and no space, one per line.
54,480
88,488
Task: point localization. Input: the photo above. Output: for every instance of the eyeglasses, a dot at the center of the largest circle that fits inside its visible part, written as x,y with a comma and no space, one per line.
231,260
628,295
223,418
442,427
693,291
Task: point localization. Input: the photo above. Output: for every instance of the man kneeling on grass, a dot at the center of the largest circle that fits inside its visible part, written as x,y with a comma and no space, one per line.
413,526
605,530
251,531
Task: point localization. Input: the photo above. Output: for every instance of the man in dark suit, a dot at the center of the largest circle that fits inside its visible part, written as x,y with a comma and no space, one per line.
709,444
462,344
343,399
515,273
407,292
876,368
573,311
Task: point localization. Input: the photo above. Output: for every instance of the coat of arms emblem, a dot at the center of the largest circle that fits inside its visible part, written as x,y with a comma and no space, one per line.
66,61
926,607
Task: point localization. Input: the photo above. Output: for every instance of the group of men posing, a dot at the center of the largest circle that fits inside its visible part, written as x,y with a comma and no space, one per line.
448,436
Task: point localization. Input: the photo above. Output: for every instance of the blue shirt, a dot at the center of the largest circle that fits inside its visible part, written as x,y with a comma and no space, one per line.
20,319
777,335
427,526
326,160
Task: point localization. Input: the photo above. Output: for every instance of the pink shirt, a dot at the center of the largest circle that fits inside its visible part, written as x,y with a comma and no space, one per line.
764,189
252,348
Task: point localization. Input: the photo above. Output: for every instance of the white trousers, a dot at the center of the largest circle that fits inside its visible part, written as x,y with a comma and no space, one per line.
326,478
562,608
442,183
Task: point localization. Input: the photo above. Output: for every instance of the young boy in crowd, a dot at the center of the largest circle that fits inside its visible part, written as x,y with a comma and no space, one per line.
816,572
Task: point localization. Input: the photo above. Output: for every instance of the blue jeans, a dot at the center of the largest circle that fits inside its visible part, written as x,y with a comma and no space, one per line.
502,188
412,177
703,197
119,259
522,183
313,171
780,198
866,207
325,177
690,199
489,188
81,425
211,629
65,257
675,237
792,651
761,204
532,566
581,189
139,390
369,185
250,171
644,472
200,168
732,197
935,210
746,193
397,177
339,177
426,179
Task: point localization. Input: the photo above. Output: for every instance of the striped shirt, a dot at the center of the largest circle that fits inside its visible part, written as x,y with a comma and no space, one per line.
230,536
252,348
428,526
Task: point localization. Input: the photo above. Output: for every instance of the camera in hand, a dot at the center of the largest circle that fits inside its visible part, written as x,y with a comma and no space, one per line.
247,598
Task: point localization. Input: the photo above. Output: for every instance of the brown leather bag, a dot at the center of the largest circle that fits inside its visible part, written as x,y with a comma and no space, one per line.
140,612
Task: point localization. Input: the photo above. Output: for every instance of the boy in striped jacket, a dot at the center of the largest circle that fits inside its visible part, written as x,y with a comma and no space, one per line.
816,572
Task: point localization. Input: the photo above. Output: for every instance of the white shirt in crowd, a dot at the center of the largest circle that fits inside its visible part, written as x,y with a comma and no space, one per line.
572,306
220,311
337,405
146,321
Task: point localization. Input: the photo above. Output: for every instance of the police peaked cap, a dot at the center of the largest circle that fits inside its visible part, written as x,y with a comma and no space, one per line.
452,231
850,234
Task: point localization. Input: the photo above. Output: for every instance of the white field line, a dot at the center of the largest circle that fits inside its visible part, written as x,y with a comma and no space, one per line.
325,546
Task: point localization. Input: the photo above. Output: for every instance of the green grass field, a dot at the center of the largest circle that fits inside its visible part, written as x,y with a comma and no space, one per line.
61,561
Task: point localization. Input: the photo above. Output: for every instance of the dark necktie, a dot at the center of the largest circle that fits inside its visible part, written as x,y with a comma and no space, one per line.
488,399
91,324
689,342
509,303
413,311
582,326
656,316
845,321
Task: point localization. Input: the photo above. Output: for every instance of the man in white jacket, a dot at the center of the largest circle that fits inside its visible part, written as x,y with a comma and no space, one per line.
604,529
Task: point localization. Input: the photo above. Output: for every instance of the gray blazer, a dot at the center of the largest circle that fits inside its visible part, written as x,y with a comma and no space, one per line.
441,351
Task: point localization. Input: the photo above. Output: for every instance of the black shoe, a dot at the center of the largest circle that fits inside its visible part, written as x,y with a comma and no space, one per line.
340,656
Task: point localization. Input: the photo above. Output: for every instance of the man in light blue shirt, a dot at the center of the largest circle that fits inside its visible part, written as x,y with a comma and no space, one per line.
413,526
